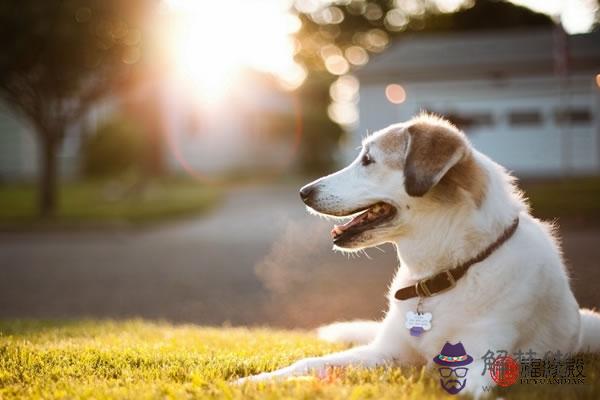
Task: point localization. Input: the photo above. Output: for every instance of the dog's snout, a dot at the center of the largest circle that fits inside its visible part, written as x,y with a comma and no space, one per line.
307,193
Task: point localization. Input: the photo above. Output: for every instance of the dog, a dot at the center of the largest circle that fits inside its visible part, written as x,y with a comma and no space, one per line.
475,267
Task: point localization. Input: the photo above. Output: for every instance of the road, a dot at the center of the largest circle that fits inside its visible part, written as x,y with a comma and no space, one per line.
258,259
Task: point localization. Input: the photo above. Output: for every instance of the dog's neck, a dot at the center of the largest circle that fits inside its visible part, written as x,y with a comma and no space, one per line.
445,238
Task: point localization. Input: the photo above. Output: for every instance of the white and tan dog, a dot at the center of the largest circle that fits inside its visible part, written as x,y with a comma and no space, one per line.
421,186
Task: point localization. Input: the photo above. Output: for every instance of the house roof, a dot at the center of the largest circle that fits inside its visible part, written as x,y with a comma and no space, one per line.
472,55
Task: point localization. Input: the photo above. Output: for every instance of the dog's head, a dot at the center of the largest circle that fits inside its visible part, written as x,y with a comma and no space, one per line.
403,172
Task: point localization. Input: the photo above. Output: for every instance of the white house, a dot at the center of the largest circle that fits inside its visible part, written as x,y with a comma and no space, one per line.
17,147
530,99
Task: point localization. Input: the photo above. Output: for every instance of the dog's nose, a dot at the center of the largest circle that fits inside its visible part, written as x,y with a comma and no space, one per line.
307,193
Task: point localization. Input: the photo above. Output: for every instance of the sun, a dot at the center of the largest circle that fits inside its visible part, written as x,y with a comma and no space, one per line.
212,42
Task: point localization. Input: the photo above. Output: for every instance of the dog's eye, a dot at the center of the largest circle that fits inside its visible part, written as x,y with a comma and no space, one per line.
366,159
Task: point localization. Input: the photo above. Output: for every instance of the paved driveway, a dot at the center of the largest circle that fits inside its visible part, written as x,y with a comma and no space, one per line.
259,259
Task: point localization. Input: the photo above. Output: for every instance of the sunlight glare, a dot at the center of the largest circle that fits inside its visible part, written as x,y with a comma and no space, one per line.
215,41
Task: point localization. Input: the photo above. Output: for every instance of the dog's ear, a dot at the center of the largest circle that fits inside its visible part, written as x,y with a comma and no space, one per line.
434,148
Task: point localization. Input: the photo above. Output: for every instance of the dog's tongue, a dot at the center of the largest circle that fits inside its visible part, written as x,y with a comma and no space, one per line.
339,229
371,213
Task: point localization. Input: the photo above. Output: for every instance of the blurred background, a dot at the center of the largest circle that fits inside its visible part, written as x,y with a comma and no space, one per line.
151,150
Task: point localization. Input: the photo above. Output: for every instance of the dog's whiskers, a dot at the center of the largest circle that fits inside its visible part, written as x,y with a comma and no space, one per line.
364,251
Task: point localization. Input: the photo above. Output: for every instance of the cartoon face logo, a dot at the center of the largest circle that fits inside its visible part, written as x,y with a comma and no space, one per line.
452,360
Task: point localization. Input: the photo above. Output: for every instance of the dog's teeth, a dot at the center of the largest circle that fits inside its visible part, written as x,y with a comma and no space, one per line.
336,231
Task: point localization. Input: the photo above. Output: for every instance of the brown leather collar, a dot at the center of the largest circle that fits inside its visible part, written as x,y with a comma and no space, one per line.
446,279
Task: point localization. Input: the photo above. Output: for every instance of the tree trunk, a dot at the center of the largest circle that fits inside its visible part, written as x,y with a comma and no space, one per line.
48,176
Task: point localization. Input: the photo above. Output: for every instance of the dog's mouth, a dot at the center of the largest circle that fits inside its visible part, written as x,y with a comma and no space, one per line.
368,218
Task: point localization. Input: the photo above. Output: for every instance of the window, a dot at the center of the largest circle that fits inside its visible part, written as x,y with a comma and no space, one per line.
525,118
466,120
572,116
470,120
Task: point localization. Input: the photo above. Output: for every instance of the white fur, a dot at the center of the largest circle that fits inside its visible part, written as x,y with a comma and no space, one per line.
357,332
589,340
517,298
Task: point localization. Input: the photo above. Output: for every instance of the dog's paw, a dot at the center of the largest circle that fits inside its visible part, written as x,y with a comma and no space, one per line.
265,376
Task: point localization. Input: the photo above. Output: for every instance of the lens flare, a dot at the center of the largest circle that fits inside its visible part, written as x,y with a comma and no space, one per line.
212,42
176,150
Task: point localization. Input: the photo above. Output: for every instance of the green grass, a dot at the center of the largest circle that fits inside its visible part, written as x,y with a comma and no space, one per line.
572,198
108,202
136,359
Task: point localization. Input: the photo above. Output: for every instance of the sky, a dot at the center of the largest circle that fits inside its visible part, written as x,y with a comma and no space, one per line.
577,16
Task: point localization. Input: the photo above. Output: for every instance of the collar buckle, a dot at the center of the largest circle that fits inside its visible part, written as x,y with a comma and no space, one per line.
441,285
422,289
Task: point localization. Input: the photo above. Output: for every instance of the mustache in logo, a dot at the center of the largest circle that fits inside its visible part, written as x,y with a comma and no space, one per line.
453,386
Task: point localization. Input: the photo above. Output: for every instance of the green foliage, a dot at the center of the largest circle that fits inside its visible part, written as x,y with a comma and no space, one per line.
116,148
136,359
487,15
320,135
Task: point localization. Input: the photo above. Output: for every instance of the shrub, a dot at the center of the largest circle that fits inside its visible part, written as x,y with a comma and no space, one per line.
115,148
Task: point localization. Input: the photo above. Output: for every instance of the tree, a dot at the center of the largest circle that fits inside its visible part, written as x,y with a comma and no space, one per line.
372,24
58,59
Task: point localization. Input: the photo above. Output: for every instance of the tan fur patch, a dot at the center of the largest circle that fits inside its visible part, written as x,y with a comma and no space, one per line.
393,146
468,176
432,147
434,142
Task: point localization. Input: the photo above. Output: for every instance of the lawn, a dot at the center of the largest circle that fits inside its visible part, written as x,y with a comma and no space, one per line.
570,199
137,359
108,203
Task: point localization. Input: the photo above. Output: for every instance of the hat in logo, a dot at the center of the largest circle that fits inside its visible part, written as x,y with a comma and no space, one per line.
453,355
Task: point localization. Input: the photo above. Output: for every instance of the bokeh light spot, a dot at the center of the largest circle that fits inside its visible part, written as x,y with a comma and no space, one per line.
330,50
356,55
307,6
395,20
373,12
344,89
329,15
343,113
337,65
395,93
343,109
376,40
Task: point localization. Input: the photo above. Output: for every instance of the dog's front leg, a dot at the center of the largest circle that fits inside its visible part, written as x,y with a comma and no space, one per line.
363,356
479,381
